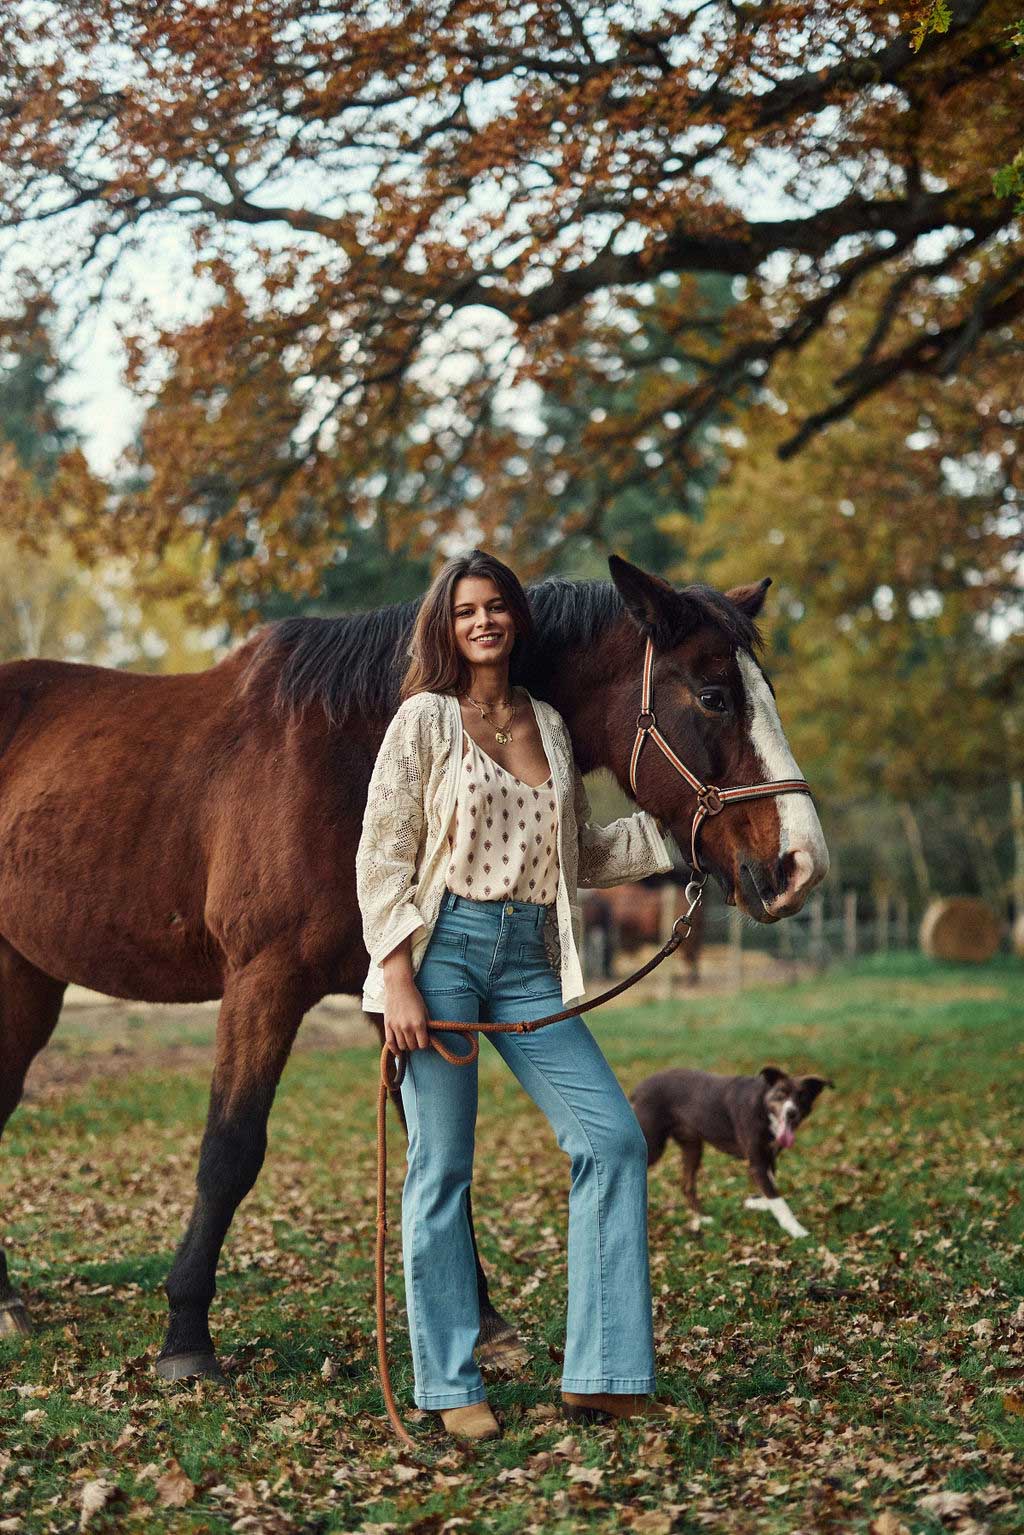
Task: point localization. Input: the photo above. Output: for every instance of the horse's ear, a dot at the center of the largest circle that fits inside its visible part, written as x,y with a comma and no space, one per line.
656,607
750,599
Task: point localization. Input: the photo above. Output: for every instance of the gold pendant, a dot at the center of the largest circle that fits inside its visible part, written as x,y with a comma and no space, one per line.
503,736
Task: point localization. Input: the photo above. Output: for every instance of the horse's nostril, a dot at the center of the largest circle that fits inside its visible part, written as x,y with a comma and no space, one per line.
801,872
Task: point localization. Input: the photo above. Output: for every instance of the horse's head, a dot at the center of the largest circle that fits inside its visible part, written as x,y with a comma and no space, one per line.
715,708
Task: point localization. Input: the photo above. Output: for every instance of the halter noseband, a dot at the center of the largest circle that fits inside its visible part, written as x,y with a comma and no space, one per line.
710,801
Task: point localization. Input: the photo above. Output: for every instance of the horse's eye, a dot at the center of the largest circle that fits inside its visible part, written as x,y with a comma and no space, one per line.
714,699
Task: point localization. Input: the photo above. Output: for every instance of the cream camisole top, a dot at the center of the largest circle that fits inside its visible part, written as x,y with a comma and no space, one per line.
504,843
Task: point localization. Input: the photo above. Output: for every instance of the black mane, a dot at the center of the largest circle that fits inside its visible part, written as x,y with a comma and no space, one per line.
354,664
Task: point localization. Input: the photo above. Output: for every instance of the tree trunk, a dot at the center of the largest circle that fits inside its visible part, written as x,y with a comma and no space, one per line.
1017,825
915,842
981,842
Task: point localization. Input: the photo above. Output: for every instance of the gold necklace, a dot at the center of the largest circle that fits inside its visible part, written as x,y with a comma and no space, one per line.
503,734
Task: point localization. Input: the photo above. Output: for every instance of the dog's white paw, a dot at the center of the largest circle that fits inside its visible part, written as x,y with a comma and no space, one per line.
781,1211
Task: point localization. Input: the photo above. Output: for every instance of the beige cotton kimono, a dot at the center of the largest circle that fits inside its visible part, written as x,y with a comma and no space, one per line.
403,851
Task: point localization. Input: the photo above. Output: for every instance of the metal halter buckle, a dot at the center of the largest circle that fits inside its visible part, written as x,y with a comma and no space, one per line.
710,799
646,719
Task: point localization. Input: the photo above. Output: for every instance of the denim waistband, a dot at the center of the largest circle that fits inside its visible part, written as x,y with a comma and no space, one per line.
525,910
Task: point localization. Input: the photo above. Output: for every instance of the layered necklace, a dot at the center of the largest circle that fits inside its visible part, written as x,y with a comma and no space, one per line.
502,733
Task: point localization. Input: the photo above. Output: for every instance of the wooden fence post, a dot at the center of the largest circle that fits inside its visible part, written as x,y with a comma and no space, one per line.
882,922
850,924
818,930
902,923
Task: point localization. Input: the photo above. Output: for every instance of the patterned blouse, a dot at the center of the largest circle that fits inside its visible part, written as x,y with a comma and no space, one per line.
404,848
505,838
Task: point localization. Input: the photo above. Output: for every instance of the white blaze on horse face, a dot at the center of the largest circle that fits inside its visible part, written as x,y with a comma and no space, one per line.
800,830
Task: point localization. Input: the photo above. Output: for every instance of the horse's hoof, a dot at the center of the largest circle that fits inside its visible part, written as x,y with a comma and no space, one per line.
503,1351
15,1321
190,1367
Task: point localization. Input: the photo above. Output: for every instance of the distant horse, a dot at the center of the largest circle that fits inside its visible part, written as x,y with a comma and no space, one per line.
180,838
628,916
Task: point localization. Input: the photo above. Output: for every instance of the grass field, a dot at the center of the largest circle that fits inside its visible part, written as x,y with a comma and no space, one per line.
869,1378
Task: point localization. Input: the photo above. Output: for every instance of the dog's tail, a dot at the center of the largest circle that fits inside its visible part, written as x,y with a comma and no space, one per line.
651,1123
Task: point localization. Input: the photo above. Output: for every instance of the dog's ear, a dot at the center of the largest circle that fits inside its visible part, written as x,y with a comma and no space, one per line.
808,1088
772,1074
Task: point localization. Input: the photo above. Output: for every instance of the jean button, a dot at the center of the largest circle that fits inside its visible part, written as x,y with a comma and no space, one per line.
509,909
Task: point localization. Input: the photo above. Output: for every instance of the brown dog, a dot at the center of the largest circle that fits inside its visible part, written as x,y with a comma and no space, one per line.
749,1117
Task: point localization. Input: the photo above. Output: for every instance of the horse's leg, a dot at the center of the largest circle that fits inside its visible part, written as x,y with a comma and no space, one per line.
30,1005
499,1343
260,1014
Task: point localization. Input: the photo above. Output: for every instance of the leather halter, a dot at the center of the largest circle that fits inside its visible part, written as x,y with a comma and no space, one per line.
710,801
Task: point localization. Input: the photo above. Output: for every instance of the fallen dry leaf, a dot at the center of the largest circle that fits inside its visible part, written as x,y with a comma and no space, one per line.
516,1475
654,1522
589,1476
887,1523
96,1495
174,1489
945,1505
405,1473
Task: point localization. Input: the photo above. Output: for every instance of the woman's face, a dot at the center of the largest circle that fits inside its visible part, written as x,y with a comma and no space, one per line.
484,631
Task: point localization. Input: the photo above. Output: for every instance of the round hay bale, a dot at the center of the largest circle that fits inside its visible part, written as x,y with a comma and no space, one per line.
1018,935
960,928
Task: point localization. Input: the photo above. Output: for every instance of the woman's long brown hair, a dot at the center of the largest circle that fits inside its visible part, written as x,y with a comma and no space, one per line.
436,664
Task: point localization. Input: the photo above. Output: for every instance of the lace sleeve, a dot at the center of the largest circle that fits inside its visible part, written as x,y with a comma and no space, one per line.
392,827
625,850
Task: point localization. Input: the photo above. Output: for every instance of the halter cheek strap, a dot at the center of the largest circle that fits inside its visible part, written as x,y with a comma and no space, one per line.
710,801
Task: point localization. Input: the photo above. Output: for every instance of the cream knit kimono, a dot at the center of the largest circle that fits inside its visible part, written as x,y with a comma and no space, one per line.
403,850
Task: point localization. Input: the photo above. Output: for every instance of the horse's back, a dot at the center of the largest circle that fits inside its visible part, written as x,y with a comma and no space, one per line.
104,781
157,832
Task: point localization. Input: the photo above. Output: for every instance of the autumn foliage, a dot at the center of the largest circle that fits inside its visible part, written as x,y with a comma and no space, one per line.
412,217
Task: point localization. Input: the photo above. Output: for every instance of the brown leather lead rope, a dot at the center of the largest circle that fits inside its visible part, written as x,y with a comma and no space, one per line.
392,1070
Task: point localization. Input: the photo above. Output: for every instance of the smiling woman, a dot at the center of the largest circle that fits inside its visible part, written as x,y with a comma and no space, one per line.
496,833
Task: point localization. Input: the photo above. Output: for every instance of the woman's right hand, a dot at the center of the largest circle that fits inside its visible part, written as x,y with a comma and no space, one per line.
405,1017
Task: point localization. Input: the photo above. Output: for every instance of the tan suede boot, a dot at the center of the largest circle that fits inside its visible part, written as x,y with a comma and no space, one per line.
476,1421
610,1406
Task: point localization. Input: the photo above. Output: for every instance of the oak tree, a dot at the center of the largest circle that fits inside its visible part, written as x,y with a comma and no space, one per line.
411,215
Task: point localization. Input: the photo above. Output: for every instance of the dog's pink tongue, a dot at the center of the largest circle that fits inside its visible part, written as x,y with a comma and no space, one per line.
785,1138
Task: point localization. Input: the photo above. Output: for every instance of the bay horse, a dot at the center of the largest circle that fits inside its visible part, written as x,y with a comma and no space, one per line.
188,837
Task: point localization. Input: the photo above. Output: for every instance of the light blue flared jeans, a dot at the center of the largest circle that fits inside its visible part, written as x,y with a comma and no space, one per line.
486,960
